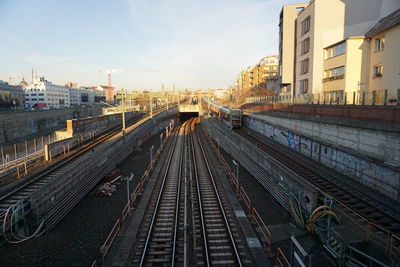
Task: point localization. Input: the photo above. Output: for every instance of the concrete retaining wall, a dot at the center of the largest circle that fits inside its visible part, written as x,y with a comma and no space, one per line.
350,151
385,114
16,126
273,175
54,200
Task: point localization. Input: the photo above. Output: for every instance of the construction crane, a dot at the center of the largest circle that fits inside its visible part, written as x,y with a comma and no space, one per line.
110,71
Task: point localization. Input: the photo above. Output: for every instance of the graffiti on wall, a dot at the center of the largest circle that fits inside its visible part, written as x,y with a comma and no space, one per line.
293,141
379,177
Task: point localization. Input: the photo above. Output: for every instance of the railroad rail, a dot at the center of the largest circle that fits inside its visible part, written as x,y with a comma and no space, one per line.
20,194
164,239
380,222
219,234
158,245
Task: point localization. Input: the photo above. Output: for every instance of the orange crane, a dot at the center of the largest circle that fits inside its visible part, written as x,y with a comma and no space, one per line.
110,71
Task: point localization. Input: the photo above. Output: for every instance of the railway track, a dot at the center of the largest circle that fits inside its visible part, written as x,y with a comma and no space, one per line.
20,194
356,202
214,227
164,239
158,243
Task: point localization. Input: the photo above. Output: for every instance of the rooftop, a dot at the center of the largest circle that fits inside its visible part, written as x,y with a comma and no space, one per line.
385,23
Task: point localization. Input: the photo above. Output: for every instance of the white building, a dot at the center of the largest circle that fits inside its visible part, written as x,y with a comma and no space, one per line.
74,96
42,93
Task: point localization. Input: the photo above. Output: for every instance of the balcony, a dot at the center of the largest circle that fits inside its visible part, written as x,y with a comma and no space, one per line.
333,78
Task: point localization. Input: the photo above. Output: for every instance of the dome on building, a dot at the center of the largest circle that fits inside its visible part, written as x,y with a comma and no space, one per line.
23,83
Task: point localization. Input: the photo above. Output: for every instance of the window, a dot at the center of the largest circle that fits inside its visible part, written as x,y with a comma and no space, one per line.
41,94
33,94
305,46
34,99
304,66
378,71
334,74
305,26
336,50
379,44
304,86
41,99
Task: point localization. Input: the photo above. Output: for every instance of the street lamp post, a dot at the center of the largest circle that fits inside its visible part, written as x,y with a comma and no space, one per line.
123,112
128,179
151,153
230,111
237,173
151,106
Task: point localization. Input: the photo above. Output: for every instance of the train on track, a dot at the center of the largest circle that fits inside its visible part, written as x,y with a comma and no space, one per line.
232,117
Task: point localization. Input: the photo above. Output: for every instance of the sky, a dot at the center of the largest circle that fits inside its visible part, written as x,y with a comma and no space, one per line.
192,44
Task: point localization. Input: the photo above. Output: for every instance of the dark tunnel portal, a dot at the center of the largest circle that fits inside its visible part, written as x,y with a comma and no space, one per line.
184,116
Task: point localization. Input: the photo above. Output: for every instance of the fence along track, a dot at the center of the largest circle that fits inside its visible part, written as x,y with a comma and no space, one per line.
158,245
219,244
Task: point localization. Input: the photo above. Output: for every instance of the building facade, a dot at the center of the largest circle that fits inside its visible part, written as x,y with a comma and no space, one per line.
287,40
330,49
44,94
11,96
259,77
99,95
74,96
384,60
108,92
87,95
343,72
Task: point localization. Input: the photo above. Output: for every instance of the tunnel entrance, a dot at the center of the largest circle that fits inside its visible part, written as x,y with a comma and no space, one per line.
184,116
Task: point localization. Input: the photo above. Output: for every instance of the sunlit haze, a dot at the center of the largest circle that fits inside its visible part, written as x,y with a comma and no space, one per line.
193,44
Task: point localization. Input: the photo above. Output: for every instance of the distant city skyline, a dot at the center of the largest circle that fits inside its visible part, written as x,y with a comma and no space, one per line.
202,44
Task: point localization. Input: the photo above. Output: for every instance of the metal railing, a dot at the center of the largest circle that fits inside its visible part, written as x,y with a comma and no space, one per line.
376,97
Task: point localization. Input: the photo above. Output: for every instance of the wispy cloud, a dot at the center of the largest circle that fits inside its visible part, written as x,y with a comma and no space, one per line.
209,48
193,43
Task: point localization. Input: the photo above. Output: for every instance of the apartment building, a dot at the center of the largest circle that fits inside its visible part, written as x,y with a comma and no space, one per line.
329,59
287,27
384,60
261,75
343,71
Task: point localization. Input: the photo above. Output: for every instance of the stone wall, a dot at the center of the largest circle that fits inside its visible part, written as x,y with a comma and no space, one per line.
370,157
17,126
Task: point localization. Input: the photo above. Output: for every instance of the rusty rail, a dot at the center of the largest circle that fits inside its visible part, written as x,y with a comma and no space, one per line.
110,239
280,259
